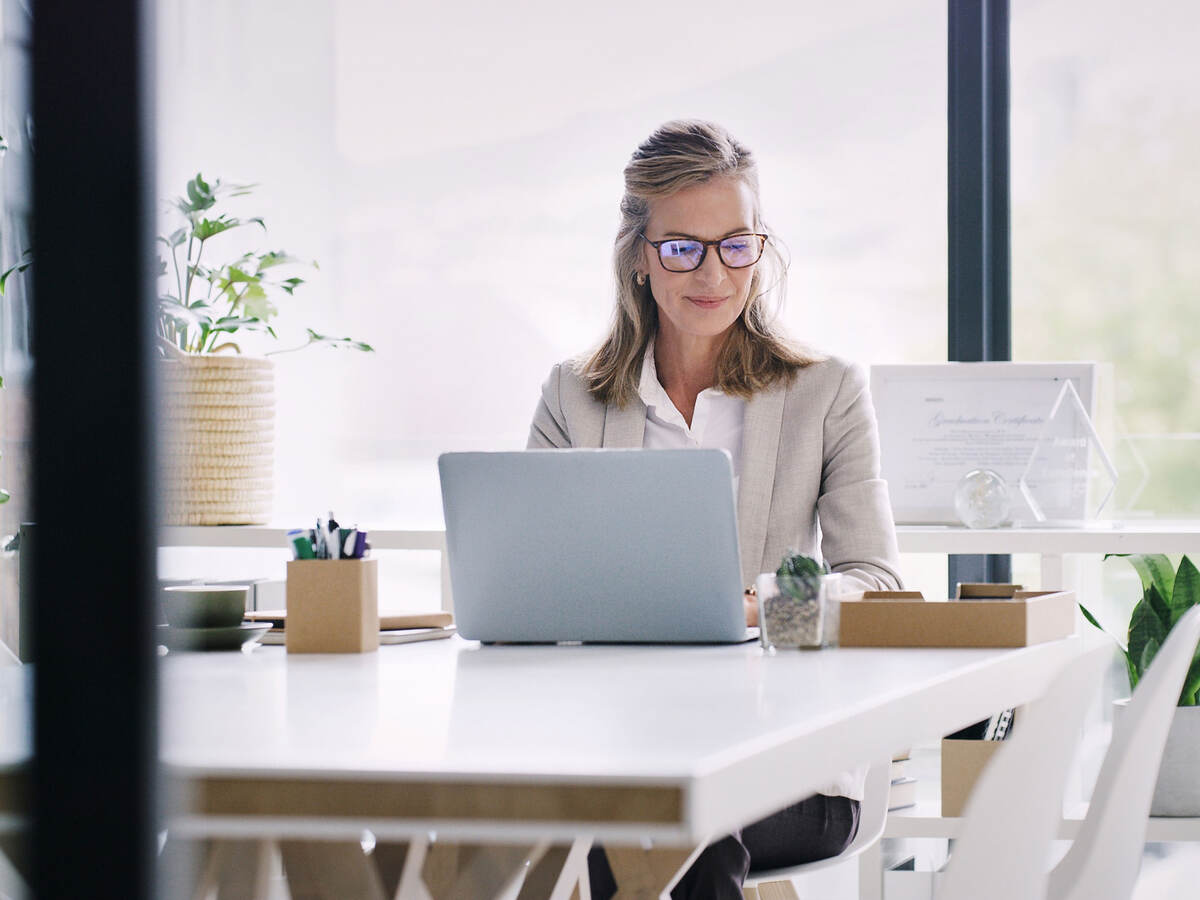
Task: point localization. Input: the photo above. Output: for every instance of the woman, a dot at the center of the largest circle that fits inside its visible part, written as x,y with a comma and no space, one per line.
693,359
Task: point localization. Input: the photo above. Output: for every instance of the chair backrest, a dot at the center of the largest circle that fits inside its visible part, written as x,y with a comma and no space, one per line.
1104,859
874,808
1014,811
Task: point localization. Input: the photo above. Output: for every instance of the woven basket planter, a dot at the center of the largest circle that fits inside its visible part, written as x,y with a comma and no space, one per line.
218,439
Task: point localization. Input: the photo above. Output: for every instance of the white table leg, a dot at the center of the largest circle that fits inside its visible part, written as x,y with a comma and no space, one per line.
643,874
1053,572
561,874
452,871
870,872
329,870
235,869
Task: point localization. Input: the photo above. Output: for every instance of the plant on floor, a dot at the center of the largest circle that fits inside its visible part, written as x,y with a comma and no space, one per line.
1167,594
208,303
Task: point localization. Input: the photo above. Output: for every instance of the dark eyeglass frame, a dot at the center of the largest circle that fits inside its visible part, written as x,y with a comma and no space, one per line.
762,246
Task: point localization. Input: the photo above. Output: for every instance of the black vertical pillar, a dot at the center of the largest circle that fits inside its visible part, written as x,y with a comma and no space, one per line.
978,214
95,769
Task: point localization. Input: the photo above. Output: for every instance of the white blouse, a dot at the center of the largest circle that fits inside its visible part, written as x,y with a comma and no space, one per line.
716,421
716,424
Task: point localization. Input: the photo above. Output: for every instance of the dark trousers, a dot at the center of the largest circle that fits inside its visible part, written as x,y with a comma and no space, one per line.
815,828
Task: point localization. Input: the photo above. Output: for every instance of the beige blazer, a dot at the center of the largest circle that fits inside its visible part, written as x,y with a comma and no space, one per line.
810,466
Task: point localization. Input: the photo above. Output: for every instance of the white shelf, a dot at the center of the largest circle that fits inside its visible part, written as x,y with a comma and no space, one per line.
1136,537
1151,536
273,536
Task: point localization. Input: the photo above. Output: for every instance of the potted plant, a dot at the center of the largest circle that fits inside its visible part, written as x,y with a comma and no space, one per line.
218,447
1167,593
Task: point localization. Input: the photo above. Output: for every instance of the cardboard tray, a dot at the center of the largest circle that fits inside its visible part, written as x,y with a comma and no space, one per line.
1010,618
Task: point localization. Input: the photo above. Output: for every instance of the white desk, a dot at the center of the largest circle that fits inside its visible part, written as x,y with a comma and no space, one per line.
509,744
490,743
675,743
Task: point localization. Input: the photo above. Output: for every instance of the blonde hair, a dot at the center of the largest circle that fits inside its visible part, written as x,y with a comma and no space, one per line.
678,155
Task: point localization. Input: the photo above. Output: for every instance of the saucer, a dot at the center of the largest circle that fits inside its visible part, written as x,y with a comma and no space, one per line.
230,638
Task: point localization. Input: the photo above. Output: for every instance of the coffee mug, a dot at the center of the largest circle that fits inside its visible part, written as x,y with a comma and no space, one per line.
204,605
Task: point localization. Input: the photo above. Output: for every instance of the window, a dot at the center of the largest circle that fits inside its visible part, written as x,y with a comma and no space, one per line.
458,176
1106,211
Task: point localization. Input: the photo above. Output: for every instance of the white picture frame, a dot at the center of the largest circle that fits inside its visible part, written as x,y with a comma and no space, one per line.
939,421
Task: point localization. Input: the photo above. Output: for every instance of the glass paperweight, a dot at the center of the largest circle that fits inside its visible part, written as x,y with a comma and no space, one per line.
982,499
1069,477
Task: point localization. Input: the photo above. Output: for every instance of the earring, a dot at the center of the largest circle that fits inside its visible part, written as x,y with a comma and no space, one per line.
640,279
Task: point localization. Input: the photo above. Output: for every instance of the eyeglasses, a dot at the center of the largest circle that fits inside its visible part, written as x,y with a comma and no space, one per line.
686,255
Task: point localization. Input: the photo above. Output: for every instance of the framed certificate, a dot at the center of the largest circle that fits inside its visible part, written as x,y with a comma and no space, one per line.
938,422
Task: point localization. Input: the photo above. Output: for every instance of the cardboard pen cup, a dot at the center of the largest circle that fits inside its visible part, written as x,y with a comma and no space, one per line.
332,606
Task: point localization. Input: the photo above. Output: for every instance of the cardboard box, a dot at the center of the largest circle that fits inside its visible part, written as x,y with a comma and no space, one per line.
332,606
962,764
906,619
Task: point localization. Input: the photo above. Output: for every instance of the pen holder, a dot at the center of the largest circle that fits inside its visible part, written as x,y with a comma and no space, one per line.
332,606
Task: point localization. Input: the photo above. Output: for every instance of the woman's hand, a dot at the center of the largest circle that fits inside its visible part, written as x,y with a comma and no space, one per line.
750,604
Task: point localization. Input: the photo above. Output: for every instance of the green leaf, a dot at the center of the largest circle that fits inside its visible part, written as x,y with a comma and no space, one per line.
347,343
207,228
1190,695
234,275
289,285
1131,670
274,258
1186,592
18,268
257,304
1128,662
4,496
1152,568
1149,651
186,316
1159,604
1145,627
200,196
230,324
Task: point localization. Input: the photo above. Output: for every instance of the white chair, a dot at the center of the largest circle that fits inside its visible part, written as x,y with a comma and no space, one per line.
1014,811
1103,862
781,883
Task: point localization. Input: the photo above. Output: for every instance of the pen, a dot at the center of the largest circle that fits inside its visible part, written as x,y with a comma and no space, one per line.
332,543
301,545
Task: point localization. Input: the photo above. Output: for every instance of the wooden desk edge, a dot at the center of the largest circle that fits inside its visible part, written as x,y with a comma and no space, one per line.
465,801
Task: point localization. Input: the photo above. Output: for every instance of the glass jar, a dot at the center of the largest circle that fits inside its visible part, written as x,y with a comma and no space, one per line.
810,621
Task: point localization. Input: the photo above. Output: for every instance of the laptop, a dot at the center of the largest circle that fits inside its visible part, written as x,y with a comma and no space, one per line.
623,546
